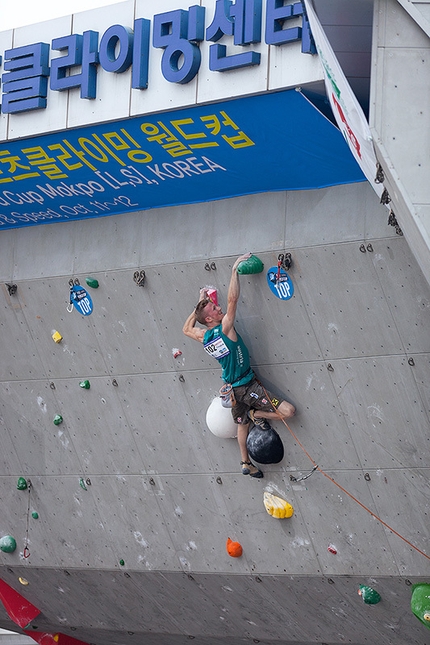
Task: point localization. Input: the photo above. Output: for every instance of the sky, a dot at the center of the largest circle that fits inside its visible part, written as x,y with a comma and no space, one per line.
16,13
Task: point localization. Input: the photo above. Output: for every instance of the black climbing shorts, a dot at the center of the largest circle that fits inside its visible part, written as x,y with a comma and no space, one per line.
252,396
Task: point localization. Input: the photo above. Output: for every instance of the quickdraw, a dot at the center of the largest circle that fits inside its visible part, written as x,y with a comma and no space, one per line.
300,479
72,283
284,262
26,552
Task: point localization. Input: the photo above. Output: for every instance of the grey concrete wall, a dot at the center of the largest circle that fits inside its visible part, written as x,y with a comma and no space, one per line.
351,350
399,115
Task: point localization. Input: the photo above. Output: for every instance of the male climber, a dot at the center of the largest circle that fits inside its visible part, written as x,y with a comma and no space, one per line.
251,401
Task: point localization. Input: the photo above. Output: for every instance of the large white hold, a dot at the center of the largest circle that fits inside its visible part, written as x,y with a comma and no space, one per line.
219,420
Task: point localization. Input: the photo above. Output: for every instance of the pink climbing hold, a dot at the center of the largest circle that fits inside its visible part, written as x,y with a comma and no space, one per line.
213,296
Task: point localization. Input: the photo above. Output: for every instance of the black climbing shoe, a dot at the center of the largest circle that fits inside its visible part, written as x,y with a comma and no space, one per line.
260,422
245,467
246,470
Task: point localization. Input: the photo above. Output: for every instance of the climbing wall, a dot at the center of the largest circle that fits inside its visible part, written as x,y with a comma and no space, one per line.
127,501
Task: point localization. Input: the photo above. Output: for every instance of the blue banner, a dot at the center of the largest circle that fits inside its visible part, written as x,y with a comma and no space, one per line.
264,143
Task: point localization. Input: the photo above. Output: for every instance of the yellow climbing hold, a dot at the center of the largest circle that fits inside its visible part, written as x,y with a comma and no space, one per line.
276,506
57,337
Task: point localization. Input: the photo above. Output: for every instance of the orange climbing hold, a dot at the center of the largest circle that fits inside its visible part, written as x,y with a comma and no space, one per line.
234,548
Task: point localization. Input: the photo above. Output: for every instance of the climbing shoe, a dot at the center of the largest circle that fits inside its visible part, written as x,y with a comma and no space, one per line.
246,470
260,422
245,467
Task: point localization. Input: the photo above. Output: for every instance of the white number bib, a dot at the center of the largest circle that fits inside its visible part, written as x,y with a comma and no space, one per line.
217,348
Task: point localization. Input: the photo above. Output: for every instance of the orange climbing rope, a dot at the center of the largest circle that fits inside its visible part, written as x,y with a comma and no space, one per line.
316,467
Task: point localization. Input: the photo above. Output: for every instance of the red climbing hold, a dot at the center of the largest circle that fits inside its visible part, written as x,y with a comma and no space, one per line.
19,609
234,548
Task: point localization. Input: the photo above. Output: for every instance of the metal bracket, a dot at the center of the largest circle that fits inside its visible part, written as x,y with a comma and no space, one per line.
139,278
12,288
285,261
392,221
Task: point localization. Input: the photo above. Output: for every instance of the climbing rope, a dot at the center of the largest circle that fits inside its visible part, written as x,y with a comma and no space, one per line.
350,495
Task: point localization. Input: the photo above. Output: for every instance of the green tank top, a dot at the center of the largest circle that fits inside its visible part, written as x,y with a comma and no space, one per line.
232,356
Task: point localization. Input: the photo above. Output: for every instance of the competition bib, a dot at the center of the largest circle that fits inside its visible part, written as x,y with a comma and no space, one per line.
216,348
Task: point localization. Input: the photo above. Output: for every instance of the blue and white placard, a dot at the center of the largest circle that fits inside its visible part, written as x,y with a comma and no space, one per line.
81,299
280,283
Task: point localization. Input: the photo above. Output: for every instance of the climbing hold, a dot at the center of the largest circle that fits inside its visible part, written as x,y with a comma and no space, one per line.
212,295
122,563
21,484
85,385
369,595
7,544
332,549
82,484
276,506
57,337
92,282
234,548
420,602
219,420
35,515
251,265
58,419
176,352
23,581
265,446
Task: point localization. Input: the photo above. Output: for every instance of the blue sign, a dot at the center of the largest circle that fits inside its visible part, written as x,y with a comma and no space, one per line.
81,299
276,141
280,283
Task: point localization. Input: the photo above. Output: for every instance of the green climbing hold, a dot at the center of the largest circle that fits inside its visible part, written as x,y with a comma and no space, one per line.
82,484
85,385
251,265
58,419
22,484
92,282
122,563
7,544
369,595
420,602
35,515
